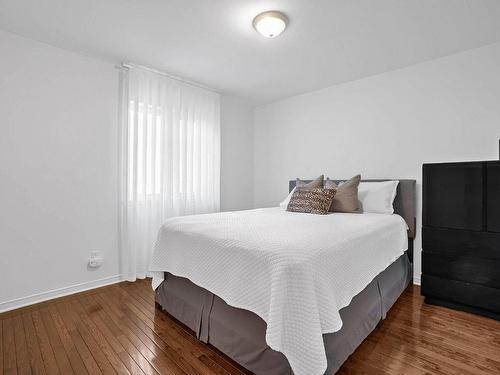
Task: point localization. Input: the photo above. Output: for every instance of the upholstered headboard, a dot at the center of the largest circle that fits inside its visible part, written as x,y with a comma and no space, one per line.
404,203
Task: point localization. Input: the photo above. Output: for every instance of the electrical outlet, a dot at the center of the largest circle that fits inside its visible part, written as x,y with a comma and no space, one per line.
95,259
95,254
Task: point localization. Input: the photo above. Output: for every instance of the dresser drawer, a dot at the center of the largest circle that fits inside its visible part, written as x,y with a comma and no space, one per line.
460,292
461,243
453,195
462,268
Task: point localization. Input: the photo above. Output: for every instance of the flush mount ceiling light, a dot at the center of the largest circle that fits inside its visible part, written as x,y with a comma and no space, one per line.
270,24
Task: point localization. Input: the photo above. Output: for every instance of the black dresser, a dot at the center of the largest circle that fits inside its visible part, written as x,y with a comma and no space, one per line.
461,236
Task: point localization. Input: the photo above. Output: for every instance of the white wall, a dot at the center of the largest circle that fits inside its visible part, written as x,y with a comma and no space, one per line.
237,154
58,169
383,126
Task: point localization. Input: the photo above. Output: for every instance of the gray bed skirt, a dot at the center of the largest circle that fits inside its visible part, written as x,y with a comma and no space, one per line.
240,334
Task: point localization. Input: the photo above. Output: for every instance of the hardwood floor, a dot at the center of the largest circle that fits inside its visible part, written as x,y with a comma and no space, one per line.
116,330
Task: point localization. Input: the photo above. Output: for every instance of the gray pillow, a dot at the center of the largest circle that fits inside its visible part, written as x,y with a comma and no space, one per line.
346,198
317,183
311,200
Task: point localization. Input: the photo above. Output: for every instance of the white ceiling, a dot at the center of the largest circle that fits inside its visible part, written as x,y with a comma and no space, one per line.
212,41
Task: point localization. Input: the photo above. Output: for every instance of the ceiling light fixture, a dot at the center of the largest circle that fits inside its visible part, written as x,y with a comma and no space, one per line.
270,24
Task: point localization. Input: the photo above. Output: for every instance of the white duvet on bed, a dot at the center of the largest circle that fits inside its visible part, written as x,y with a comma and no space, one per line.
295,271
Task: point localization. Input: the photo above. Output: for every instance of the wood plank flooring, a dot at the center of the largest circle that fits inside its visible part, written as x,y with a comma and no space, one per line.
117,330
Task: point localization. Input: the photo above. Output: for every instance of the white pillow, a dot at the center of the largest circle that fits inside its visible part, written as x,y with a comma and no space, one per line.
377,196
284,204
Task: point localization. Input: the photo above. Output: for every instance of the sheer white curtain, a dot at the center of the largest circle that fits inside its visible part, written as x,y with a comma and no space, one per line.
169,159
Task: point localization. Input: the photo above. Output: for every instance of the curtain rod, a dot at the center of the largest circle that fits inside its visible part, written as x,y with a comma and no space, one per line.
176,78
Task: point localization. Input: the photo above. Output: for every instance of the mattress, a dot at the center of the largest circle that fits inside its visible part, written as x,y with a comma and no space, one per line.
295,271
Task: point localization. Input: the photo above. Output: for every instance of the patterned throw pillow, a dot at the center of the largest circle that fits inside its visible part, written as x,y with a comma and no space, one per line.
311,200
317,183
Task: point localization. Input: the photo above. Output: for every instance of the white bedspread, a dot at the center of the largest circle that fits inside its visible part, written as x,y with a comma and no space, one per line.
295,271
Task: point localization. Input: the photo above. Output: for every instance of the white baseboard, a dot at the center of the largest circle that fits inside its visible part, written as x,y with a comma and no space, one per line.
416,280
60,292
72,289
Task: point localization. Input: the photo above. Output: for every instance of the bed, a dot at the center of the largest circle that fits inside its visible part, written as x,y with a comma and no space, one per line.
244,284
